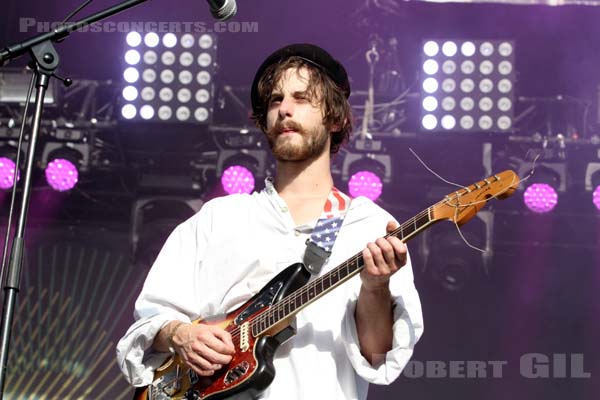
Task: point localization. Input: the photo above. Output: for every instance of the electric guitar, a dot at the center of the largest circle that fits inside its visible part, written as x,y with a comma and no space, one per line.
261,324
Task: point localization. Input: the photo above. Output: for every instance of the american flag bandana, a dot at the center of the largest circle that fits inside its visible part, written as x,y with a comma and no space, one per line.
322,239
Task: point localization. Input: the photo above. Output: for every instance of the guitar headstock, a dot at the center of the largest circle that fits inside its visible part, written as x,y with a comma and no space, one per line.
463,204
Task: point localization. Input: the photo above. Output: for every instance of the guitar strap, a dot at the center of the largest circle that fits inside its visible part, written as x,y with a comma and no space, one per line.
322,239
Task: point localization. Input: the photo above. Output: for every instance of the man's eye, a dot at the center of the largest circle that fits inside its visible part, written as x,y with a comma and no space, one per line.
276,99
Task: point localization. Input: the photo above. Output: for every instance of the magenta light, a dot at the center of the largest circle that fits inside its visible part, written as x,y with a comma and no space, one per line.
237,179
7,173
61,174
596,197
365,183
540,198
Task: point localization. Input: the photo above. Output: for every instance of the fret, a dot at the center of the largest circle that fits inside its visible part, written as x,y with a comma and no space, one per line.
402,235
342,273
267,321
304,296
354,265
262,323
423,220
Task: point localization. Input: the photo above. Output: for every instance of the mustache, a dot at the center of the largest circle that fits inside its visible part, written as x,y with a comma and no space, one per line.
280,126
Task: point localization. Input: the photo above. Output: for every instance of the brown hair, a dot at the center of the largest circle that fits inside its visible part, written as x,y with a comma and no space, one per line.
335,106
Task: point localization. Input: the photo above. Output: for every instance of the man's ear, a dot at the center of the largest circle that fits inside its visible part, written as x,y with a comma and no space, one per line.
338,127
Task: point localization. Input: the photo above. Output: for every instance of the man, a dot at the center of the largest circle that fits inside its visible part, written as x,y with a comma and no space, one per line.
363,331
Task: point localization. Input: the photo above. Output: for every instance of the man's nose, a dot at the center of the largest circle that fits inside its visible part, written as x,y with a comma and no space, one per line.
286,108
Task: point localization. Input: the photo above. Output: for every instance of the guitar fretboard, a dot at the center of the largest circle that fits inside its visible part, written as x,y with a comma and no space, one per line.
304,296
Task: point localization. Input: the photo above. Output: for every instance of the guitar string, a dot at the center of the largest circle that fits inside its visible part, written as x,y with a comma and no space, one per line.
457,206
278,307
292,298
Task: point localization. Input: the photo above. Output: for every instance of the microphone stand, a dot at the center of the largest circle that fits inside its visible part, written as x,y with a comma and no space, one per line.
45,60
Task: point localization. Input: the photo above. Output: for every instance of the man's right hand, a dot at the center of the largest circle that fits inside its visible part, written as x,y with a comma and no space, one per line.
204,348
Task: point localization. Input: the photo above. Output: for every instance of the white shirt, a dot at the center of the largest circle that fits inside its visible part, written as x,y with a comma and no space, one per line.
219,258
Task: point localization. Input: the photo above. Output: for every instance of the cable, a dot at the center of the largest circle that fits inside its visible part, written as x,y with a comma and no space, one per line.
76,11
15,178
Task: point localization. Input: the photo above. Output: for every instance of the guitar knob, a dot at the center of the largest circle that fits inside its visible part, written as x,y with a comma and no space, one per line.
192,395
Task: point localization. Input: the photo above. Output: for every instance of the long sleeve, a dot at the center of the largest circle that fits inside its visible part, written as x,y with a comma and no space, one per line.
169,293
407,329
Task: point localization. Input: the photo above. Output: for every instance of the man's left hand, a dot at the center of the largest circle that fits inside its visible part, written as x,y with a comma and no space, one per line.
382,259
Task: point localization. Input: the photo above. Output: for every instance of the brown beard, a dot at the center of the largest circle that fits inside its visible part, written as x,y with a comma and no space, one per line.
313,142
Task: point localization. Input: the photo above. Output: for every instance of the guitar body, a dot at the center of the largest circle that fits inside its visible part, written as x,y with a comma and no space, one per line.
251,369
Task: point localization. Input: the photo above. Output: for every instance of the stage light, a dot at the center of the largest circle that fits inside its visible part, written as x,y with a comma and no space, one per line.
130,93
132,57
449,49
430,85
448,122
147,112
7,173
429,122
131,75
596,197
169,40
367,169
592,182
151,39
14,84
449,263
134,39
542,189
431,48
61,174
467,49
479,78
128,111
153,218
244,149
237,179
176,73
187,41
239,170
430,67
365,183
430,103
540,198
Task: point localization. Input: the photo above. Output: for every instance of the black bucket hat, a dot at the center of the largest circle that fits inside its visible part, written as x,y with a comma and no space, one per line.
309,53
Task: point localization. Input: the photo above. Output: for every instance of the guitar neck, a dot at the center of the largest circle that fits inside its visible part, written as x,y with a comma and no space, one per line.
296,301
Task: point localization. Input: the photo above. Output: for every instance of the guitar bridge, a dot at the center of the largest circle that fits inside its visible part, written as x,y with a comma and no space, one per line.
166,386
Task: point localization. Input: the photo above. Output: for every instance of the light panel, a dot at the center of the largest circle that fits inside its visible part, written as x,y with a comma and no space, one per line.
472,80
168,78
